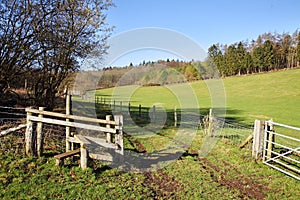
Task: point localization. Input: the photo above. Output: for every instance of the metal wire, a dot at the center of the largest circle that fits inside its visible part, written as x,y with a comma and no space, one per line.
54,135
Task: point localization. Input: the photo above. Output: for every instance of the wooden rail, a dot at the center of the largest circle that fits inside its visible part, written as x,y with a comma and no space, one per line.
66,116
7,131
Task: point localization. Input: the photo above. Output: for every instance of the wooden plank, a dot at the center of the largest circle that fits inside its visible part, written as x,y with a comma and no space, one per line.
101,142
72,140
92,141
102,156
7,131
71,124
61,115
59,159
81,139
67,154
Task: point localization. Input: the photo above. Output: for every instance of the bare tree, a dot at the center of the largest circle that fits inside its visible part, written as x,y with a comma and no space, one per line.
56,35
18,49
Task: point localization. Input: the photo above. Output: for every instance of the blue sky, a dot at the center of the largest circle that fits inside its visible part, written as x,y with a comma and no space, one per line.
205,22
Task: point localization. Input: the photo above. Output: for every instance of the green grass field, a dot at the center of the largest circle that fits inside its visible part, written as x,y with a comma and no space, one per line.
227,172
273,95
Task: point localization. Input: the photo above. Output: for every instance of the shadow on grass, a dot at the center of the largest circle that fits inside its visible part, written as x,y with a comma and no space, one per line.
142,116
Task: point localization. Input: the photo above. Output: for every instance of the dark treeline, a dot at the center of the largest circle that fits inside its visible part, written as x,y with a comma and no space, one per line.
44,41
267,53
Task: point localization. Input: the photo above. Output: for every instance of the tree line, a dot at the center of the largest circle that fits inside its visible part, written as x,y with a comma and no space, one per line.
42,41
268,52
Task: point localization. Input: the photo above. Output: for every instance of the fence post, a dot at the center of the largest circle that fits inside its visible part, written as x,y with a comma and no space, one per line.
29,136
108,135
210,121
154,112
129,108
270,138
119,135
83,156
140,110
114,104
175,116
258,139
121,105
68,112
40,135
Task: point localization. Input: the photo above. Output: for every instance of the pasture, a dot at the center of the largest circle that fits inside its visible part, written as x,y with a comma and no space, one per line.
227,172
263,96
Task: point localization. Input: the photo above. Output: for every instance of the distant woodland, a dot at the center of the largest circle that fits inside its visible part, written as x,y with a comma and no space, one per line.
269,52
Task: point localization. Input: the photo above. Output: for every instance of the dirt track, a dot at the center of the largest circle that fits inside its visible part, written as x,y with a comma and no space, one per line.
225,174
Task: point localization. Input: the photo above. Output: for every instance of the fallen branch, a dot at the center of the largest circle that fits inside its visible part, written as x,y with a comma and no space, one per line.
5,132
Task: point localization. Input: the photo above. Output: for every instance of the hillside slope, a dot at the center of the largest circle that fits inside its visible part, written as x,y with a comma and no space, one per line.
263,96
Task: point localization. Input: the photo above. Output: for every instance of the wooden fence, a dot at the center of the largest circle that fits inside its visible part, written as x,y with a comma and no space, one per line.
122,106
34,139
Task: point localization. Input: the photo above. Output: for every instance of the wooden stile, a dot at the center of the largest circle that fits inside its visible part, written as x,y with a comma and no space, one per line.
86,142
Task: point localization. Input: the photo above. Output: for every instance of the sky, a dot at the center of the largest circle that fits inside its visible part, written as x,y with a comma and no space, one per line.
205,22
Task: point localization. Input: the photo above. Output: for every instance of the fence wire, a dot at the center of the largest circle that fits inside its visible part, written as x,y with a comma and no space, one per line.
54,135
54,138
13,142
233,133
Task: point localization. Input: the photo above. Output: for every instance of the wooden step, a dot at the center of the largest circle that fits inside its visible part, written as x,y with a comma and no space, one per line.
59,159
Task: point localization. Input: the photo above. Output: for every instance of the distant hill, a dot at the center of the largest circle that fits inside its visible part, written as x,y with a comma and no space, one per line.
153,73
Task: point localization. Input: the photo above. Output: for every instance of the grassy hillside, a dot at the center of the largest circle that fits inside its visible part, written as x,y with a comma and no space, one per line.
264,96
260,96
227,172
